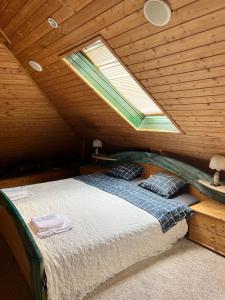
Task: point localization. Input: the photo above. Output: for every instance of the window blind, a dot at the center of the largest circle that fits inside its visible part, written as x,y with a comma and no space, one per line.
120,78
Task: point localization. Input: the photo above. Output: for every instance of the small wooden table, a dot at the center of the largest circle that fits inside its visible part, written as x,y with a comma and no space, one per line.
207,227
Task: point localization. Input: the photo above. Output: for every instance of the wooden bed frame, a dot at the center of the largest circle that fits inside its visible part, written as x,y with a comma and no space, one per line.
24,248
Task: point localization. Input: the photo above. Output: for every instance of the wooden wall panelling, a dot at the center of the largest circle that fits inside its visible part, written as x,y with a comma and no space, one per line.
11,9
25,12
3,5
84,16
197,28
108,18
93,27
59,10
30,126
182,65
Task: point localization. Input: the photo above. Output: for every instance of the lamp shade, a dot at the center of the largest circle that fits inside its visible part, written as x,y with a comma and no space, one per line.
97,143
217,162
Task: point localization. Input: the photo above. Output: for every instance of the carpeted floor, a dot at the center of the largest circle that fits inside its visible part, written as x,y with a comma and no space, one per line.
186,272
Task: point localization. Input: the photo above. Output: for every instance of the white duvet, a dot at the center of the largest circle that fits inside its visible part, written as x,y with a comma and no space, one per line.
109,234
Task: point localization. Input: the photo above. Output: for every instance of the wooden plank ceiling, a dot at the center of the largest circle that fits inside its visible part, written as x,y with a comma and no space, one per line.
182,64
31,128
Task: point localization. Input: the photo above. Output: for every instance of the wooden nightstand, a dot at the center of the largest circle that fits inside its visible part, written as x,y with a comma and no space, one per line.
88,169
207,227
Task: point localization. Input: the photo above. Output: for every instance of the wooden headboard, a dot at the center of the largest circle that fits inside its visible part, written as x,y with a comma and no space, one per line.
154,163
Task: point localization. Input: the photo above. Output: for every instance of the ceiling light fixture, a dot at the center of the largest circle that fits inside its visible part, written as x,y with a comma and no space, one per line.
157,12
53,23
35,65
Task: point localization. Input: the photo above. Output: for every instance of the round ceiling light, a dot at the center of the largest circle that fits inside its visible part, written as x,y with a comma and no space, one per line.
35,65
53,23
157,12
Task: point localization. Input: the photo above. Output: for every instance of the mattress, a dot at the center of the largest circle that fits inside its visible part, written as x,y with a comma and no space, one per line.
186,199
109,234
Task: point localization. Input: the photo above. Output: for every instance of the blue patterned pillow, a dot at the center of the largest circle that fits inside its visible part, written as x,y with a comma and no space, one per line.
163,184
126,171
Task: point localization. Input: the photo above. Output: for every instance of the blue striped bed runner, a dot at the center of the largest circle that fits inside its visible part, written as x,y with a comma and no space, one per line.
167,212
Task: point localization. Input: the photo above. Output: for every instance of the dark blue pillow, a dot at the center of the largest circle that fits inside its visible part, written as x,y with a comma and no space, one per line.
163,184
126,171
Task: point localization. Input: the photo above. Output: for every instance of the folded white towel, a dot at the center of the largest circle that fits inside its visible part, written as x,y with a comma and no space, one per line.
65,227
17,193
47,222
53,221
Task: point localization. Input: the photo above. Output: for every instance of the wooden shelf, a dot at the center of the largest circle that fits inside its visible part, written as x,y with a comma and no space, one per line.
103,157
50,175
219,188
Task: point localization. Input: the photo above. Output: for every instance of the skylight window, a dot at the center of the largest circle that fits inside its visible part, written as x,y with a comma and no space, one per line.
107,76
120,78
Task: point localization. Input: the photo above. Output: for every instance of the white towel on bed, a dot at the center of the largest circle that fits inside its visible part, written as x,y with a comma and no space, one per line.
47,222
17,193
50,224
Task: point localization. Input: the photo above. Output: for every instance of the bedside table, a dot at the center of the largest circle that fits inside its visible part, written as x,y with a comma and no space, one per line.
88,169
207,227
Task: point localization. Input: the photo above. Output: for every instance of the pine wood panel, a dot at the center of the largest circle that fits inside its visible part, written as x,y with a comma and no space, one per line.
182,64
30,125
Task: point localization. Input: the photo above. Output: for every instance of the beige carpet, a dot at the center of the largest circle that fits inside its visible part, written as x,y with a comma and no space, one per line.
186,272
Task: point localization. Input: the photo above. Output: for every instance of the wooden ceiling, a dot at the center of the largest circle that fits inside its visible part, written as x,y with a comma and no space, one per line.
30,125
182,65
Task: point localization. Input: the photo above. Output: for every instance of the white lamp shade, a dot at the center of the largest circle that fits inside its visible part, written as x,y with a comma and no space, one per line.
217,162
97,143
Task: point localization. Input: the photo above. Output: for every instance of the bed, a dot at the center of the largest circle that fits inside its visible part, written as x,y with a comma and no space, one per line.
109,234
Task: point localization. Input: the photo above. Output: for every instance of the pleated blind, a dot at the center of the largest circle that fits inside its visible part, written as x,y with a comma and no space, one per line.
120,78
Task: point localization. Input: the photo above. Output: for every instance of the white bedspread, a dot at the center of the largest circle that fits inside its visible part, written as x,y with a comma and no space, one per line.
109,234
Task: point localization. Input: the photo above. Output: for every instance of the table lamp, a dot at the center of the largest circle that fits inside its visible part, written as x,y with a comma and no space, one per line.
217,163
97,144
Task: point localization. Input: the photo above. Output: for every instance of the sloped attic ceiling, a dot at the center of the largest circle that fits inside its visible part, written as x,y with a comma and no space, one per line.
181,64
30,127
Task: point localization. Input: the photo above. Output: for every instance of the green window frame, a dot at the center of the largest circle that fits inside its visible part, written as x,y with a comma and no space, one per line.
97,81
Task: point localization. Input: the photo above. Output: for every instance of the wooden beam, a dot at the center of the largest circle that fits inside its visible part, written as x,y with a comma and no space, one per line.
3,37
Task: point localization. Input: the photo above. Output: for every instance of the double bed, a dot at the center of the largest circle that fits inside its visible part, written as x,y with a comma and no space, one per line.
109,234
